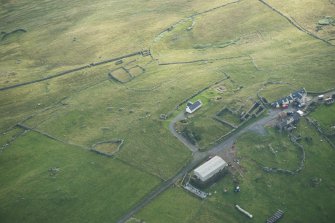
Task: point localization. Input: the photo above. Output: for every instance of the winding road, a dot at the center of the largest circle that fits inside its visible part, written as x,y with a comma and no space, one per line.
198,157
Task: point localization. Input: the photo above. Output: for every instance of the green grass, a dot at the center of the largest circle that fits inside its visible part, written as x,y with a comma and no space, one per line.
121,75
171,207
87,188
230,117
209,131
324,114
86,107
274,92
9,136
108,147
135,71
275,150
308,14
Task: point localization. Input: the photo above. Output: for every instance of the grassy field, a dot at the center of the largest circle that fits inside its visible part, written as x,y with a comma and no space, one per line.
230,117
275,150
209,130
273,92
324,114
200,43
308,14
121,75
108,147
171,207
46,181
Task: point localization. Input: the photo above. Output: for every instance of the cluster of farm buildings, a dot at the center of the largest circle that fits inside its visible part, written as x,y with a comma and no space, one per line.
215,167
297,97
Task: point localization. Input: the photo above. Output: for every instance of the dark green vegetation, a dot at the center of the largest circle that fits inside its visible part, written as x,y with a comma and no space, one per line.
200,43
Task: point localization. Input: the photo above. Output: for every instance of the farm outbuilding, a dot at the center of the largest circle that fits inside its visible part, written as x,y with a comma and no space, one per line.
210,168
301,113
329,101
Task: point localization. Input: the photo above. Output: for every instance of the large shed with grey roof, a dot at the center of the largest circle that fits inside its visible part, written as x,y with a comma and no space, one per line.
210,168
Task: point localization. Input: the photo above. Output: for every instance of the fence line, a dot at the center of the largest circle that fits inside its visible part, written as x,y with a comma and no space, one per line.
72,70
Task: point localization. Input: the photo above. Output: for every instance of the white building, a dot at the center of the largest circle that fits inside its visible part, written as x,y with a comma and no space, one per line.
210,168
192,107
301,113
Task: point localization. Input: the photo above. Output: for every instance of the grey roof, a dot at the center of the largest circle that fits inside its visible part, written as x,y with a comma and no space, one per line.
209,168
194,106
299,93
295,95
287,122
195,191
296,116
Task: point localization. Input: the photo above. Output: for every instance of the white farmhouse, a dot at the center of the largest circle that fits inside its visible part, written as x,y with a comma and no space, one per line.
192,107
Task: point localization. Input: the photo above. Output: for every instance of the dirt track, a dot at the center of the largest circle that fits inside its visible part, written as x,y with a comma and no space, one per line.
189,145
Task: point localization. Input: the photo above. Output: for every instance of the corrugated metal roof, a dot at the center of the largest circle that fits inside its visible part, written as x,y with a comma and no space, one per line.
211,167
